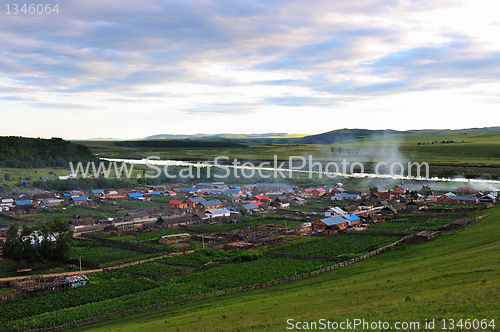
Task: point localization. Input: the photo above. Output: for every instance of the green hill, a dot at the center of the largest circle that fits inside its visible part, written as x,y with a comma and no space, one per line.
454,276
23,152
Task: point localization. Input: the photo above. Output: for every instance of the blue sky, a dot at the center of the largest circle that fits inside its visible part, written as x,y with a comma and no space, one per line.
130,69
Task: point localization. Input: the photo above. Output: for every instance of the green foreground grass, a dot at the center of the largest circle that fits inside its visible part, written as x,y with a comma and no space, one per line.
454,276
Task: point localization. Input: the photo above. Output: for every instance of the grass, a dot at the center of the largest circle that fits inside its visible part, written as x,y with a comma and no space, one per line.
454,276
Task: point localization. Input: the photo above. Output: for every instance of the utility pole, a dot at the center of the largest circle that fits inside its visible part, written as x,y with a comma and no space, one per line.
80,265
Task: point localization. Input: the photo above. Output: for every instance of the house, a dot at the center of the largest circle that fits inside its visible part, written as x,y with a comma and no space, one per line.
170,193
414,206
78,200
218,213
374,218
83,221
136,196
263,198
329,225
299,200
136,216
199,216
172,221
384,195
190,191
250,208
178,204
454,199
388,210
281,203
398,191
364,206
96,193
192,201
208,205
51,202
487,199
205,185
19,204
353,219
335,211
234,193
343,196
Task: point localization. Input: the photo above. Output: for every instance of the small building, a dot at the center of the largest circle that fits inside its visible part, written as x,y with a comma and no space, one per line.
192,201
218,213
388,210
353,219
335,211
76,281
51,202
208,205
373,218
78,200
329,225
281,203
173,221
178,204
299,200
344,196
454,199
414,206
136,216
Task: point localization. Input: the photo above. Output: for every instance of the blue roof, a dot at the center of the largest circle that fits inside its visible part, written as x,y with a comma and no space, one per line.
463,198
97,191
333,220
232,191
79,198
66,195
135,194
48,201
346,195
189,189
205,184
212,191
156,193
208,203
250,206
351,217
197,199
24,202
44,178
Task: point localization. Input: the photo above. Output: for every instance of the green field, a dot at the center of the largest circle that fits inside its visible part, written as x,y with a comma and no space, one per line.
95,253
454,276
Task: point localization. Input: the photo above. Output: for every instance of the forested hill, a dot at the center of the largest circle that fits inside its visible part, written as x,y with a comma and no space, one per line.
22,152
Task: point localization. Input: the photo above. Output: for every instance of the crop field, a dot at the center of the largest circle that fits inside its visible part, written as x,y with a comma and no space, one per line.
155,268
102,286
339,248
95,253
148,236
250,221
391,226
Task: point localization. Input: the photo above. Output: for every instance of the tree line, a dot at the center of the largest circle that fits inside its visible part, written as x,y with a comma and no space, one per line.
23,152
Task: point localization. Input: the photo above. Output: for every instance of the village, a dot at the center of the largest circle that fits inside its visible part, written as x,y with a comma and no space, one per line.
330,210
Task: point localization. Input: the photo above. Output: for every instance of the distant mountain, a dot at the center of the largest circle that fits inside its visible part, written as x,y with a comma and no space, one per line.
212,136
343,135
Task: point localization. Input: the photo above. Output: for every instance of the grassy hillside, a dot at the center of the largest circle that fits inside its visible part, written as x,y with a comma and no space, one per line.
454,276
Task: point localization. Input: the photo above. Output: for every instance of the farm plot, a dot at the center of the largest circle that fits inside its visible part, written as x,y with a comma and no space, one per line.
98,254
148,236
155,268
339,248
395,227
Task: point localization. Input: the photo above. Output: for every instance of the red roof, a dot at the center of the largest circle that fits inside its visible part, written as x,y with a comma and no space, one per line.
262,197
171,192
258,203
176,202
309,189
320,189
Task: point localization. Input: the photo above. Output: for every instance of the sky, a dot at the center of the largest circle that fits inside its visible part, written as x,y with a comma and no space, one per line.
131,69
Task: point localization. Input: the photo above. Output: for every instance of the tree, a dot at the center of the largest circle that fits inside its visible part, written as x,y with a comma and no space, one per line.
64,237
412,194
426,191
373,190
332,149
6,177
12,247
